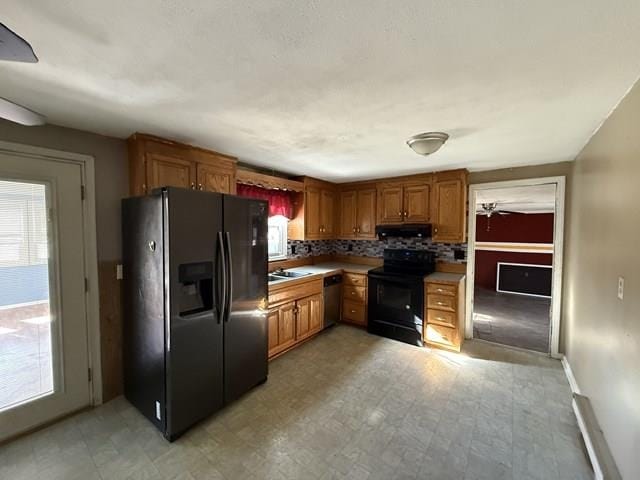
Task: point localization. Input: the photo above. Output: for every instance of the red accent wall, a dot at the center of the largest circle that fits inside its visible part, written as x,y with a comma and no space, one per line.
487,264
525,228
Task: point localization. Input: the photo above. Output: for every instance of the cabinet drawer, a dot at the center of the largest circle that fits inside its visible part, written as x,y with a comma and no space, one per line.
441,302
284,292
447,319
442,335
442,289
356,279
353,312
355,294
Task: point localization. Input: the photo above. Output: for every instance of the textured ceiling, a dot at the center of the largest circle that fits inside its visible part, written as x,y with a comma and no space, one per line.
527,199
333,88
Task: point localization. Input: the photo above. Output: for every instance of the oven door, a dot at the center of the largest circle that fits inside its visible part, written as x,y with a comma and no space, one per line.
396,301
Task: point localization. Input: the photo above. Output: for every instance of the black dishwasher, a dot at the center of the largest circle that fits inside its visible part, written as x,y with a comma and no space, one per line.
332,299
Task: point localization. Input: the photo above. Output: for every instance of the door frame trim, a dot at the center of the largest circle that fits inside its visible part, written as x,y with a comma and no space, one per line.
558,245
92,305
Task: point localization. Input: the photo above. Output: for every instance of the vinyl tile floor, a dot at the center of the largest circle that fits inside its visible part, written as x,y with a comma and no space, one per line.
344,405
509,319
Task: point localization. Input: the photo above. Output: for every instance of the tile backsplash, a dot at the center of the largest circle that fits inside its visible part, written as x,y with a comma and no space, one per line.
374,248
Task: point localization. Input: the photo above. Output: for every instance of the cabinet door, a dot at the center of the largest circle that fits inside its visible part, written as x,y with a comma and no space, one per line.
303,318
168,171
287,325
281,321
449,211
312,218
211,179
347,224
316,313
366,214
416,203
390,204
327,201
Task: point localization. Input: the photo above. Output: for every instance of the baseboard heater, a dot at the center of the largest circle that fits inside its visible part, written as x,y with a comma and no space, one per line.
524,279
604,467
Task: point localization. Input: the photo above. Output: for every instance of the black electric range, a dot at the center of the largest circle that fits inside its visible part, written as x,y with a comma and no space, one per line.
396,294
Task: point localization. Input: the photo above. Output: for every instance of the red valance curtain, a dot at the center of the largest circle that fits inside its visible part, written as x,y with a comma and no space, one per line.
279,200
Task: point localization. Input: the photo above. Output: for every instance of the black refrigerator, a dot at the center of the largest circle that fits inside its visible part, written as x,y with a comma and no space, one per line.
195,303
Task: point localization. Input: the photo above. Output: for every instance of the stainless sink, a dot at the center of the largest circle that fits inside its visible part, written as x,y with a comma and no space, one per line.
285,274
273,278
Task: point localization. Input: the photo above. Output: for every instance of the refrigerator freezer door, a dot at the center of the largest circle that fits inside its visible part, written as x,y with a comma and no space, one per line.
245,329
195,336
143,296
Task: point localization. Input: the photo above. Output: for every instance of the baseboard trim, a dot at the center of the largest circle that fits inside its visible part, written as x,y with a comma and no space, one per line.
569,374
604,467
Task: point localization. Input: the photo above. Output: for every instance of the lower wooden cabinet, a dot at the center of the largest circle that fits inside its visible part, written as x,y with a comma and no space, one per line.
282,328
354,299
295,314
444,311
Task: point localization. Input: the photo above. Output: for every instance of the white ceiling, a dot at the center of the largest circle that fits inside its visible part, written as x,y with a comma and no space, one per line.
333,88
526,199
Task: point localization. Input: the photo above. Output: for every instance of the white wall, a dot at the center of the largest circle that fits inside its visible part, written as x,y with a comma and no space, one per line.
601,332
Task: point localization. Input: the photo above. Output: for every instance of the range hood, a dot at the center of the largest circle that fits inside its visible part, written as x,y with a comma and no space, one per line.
406,230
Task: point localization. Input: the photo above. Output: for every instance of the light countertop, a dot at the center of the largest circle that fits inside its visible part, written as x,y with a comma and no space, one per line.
444,277
321,270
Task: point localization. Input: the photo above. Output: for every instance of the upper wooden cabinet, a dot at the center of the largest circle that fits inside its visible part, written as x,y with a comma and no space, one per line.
314,211
404,202
450,207
156,162
357,213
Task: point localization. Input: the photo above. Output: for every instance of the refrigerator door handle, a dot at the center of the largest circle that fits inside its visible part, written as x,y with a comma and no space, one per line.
222,300
229,277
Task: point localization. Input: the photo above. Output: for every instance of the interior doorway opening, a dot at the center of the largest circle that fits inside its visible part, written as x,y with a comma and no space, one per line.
515,262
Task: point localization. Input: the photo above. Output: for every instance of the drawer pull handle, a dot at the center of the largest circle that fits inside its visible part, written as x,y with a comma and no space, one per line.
353,293
441,303
353,311
440,318
440,290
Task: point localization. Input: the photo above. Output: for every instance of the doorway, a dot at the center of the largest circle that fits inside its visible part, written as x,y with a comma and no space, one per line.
515,263
45,356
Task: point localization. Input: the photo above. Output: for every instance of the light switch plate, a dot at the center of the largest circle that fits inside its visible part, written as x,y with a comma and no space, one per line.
119,271
620,288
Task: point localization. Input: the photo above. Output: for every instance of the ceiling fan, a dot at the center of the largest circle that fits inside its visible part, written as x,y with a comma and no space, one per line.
490,209
14,48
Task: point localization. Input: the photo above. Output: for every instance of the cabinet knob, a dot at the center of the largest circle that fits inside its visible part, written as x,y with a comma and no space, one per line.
358,230
199,186
193,186
405,214
400,213
435,230
354,229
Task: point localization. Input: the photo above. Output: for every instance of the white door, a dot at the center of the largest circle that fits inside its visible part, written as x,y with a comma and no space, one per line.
43,322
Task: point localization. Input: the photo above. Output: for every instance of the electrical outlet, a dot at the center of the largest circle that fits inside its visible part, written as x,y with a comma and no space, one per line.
621,288
349,248
119,275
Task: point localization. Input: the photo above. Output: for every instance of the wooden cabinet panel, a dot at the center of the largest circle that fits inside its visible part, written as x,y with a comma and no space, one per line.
312,220
445,336
440,317
366,213
327,202
347,224
449,211
304,312
168,171
355,294
441,289
354,312
211,179
281,321
316,317
416,203
357,279
390,206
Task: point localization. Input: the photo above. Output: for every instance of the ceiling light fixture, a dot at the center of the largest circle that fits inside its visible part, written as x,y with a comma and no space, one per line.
427,143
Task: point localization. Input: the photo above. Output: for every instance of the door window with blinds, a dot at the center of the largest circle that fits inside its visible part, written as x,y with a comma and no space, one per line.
26,353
